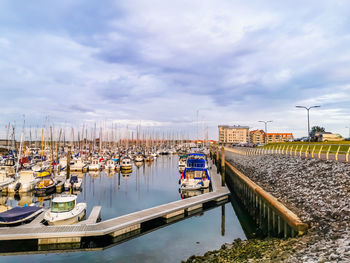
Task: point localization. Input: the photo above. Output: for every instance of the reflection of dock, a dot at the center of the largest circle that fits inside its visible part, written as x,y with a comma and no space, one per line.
119,228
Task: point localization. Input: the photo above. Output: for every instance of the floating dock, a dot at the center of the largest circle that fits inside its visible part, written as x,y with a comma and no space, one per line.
121,227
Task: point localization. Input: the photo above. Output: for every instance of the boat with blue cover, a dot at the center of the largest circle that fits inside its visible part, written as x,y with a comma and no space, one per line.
19,215
196,160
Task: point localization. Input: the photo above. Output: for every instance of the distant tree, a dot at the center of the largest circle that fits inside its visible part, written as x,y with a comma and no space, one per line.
317,129
313,131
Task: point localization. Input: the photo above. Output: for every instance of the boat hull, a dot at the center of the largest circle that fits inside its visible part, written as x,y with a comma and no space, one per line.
66,218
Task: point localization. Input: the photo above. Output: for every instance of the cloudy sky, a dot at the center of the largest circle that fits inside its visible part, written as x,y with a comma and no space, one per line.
163,63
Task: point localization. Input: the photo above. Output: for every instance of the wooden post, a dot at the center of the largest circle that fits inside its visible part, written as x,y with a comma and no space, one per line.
222,166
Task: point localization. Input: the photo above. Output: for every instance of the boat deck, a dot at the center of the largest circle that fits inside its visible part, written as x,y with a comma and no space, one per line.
114,227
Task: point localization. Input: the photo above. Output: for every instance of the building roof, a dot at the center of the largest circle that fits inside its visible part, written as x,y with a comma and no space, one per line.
64,198
253,131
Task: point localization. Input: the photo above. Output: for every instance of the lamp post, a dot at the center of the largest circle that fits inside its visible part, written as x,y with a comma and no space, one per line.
266,122
308,118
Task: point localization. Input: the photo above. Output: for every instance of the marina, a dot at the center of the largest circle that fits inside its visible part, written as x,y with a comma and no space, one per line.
120,225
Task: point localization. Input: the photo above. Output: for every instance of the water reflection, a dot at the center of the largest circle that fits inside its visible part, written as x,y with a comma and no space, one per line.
146,185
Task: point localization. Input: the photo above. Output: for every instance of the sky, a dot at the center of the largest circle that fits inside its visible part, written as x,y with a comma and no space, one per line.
184,65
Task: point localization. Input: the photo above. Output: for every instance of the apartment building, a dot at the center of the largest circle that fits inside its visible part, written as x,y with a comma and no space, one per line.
233,134
278,137
257,137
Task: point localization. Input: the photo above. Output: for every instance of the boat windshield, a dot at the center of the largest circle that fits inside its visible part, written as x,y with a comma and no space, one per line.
62,207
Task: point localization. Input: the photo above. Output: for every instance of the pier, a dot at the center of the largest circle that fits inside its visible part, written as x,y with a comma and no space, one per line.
120,228
269,214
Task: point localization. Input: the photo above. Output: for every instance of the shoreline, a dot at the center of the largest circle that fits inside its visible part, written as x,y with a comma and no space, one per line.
317,191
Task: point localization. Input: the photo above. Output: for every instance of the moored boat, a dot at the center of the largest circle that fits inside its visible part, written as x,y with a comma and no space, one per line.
19,215
65,211
73,182
45,186
194,179
126,163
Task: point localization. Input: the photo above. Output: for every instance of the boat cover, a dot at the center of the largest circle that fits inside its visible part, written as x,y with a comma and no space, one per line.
73,179
18,213
196,163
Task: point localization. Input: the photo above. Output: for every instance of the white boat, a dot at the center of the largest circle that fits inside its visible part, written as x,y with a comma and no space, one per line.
139,158
110,165
194,179
5,181
73,181
95,165
78,166
126,164
25,183
8,166
65,211
40,168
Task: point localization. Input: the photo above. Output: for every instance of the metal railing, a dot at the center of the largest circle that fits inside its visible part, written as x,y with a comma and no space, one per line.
337,152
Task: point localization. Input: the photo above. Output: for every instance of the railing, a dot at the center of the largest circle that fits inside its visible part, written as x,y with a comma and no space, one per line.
337,152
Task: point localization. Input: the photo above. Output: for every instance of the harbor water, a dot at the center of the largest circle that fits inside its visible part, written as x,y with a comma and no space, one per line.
148,185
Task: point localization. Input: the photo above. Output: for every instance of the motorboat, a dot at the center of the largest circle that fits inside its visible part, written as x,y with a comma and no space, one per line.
74,182
110,165
5,181
78,166
138,158
25,183
126,163
95,165
65,211
8,166
19,215
45,186
194,179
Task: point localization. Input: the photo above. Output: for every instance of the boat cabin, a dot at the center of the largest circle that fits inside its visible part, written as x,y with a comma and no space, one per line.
63,204
195,173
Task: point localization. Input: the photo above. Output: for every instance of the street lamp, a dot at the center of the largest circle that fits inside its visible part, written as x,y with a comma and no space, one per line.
308,118
266,122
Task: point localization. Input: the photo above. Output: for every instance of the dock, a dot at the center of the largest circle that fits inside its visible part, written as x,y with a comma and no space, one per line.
95,216
119,227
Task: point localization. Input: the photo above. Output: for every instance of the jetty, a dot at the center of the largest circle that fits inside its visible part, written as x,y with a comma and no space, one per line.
121,227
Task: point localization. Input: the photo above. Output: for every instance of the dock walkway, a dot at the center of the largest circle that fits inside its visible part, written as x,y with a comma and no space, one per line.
116,226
